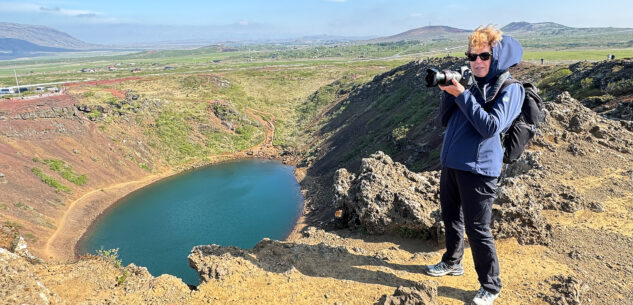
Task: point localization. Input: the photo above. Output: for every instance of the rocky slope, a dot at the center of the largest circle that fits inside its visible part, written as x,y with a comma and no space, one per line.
563,223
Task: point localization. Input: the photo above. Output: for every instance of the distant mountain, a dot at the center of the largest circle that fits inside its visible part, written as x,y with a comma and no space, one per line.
328,39
436,32
533,27
15,48
555,29
43,36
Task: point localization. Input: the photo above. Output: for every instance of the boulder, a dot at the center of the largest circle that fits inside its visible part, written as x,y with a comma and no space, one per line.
385,197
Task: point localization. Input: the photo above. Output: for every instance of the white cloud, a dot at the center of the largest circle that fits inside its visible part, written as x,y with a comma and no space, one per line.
416,15
32,8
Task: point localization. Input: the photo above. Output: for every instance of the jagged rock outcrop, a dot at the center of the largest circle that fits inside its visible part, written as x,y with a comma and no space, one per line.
18,284
583,125
516,213
386,197
45,113
214,262
25,279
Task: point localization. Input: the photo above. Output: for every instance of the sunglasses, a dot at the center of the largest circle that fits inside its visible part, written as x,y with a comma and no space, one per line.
484,56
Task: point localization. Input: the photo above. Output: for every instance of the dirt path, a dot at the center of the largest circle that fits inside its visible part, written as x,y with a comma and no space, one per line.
270,129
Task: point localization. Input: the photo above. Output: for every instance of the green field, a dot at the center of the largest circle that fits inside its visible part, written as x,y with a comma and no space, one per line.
291,83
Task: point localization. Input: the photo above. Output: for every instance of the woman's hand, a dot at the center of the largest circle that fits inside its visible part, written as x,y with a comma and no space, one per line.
455,89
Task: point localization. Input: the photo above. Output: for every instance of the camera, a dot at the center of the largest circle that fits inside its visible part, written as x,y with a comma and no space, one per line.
463,76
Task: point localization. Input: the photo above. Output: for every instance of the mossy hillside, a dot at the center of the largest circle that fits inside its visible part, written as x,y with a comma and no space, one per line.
394,112
284,92
591,79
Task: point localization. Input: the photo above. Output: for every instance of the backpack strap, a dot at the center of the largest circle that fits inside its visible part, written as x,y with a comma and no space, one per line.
507,82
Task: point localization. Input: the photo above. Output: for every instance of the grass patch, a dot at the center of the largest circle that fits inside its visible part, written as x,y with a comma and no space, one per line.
30,237
173,132
50,181
66,171
22,206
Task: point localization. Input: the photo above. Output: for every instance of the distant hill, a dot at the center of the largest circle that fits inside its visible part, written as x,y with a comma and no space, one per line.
43,36
15,48
426,33
533,27
541,35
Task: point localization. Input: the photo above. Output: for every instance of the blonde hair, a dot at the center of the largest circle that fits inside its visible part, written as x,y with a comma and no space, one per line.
482,36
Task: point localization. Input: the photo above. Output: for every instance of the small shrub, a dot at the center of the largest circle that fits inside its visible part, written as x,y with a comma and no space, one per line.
400,132
192,82
586,82
121,279
553,78
94,115
111,256
621,87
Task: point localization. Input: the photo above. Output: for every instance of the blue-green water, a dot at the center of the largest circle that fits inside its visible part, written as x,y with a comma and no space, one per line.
229,204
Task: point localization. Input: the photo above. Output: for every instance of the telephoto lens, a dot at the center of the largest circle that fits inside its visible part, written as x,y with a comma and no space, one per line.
444,77
435,77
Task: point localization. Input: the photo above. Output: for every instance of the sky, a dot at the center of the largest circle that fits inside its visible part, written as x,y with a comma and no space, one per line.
138,21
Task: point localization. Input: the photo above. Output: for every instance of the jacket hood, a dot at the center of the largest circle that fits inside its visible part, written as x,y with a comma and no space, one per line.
505,54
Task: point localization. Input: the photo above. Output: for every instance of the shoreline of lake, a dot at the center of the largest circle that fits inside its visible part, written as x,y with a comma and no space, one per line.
83,213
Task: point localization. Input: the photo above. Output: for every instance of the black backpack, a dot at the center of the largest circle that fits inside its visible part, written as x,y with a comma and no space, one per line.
524,127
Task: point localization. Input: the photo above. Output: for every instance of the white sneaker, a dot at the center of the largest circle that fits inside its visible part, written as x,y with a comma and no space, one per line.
483,297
